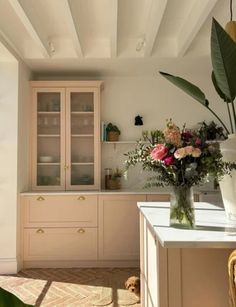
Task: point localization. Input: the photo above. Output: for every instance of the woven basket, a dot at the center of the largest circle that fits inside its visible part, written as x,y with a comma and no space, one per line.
113,136
114,184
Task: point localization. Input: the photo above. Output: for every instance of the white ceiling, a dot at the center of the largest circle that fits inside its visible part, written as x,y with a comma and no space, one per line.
104,35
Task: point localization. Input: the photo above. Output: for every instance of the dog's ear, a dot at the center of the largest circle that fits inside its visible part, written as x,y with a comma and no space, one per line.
138,282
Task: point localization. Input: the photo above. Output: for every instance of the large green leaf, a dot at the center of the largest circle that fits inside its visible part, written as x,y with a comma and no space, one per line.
223,57
218,90
7,299
187,87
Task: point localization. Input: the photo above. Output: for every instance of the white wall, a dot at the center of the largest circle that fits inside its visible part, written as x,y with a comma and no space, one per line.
153,97
156,100
8,161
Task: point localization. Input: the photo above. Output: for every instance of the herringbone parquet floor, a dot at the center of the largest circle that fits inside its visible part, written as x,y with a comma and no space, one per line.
72,287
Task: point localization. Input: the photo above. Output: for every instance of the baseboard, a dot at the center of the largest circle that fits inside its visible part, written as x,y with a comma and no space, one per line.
80,264
8,266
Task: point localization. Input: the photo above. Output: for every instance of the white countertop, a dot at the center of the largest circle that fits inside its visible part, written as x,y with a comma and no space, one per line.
100,192
211,231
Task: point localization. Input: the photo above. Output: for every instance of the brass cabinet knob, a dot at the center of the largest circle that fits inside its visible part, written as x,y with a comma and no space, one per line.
66,167
40,198
81,198
81,230
40,231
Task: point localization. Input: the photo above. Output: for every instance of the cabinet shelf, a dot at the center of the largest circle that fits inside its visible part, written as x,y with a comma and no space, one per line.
48,112
82,112
48,163
48,135
82,163
82,135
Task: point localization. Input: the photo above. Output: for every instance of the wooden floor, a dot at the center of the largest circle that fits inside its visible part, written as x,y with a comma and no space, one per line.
72,287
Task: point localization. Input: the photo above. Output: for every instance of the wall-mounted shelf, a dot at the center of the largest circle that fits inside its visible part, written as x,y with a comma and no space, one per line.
119,142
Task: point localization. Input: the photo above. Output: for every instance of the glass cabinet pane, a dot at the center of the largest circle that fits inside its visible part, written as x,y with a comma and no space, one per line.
82,102
48,139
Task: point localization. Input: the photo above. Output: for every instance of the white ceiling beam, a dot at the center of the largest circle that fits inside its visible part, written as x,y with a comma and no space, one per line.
42,43
73,28
157,10
192,25
114,27
10,46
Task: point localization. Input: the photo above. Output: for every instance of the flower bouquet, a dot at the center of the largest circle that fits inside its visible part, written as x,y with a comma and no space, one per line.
180,159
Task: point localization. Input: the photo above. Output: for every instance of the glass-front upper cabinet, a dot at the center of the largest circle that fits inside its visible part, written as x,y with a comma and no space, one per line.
66,135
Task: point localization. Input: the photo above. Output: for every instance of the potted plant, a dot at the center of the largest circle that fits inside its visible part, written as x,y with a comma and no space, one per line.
113,132
223,57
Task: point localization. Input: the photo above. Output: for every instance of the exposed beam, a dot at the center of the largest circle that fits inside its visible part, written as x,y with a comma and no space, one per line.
114,26
70,18
156,14
10,46
42,43
192,25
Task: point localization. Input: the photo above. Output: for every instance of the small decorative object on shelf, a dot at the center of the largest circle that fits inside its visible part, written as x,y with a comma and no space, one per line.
113,132
138,120
181,160
108,174
113,179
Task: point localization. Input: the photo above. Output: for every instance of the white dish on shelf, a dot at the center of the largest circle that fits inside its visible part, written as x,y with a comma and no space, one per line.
45,159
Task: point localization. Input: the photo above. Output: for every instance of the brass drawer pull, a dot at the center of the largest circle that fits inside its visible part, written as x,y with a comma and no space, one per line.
40,231
81,230
81,198
40,198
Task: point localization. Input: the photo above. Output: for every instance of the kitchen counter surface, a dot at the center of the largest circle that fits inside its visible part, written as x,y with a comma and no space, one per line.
211,231
120,191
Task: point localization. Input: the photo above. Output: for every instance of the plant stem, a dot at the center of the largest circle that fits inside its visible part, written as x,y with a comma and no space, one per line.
230,119
226,129
234,115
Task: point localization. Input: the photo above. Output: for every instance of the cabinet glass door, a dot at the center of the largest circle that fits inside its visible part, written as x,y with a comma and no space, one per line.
82,143
49,143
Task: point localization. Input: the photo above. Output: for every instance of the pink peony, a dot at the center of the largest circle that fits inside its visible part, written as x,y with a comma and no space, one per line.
169,160
180,153
196,152
159,152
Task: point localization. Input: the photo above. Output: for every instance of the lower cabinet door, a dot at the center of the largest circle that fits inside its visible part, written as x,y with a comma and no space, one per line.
119,227
60,244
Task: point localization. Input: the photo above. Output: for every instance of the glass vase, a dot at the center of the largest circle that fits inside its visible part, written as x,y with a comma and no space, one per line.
182,207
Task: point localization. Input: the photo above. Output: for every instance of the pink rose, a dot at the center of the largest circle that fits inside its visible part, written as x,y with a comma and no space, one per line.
169,160
159,152
180,153
188,150
196,152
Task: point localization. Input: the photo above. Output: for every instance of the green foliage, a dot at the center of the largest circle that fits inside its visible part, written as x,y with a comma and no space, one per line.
7,299
211,131
189,170
223,57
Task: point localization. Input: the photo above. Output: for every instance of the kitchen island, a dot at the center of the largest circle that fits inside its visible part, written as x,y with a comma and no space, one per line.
182,267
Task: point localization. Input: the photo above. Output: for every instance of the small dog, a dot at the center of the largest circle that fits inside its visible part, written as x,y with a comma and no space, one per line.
133,285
